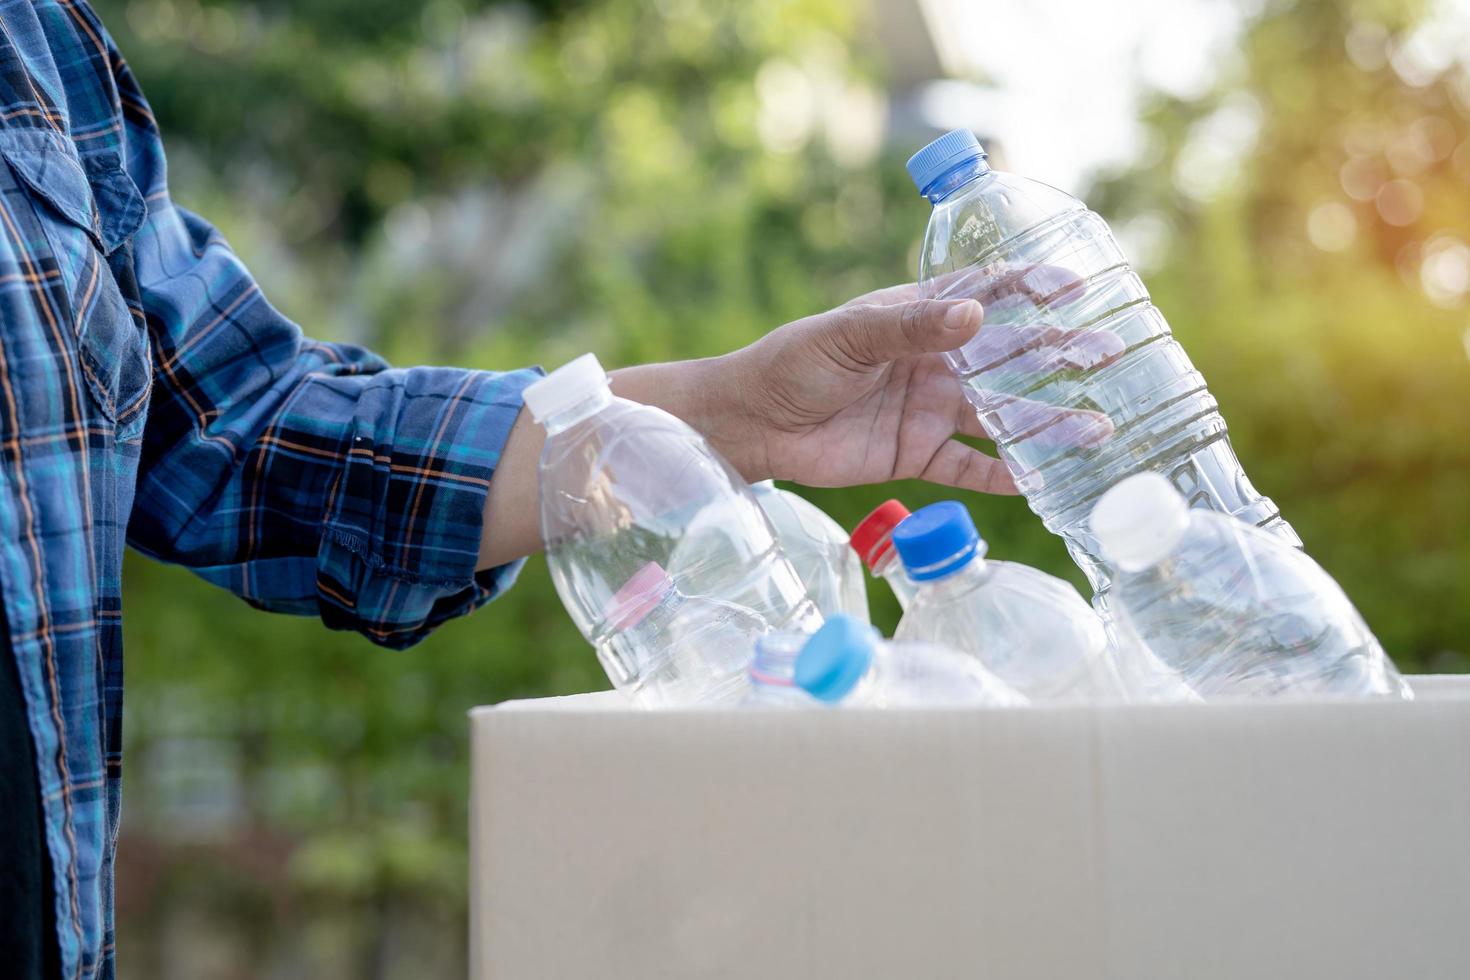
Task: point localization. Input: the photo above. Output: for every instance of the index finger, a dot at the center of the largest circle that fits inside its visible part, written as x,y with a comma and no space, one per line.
888,295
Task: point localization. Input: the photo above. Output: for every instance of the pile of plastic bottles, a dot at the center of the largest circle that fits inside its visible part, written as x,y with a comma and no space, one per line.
696,588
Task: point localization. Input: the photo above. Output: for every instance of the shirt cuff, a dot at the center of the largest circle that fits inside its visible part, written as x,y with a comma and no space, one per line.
404,524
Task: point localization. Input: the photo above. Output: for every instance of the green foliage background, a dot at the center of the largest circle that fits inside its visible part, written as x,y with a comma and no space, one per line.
296,798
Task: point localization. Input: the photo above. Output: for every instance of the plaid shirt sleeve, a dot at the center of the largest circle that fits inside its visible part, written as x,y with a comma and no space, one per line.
306,477
148,389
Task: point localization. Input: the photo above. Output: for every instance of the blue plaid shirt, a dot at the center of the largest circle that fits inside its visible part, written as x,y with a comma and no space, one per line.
150,394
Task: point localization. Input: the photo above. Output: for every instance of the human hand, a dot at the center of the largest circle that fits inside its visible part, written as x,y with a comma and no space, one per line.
863,393
859,394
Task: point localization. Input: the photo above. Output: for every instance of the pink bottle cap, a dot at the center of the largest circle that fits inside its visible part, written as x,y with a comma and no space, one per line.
639,596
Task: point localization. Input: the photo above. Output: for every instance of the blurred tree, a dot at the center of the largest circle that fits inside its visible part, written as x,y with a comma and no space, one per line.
1315,210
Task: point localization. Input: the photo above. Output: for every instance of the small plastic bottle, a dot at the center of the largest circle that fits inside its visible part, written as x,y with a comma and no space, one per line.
1028,628
1234,609
623,485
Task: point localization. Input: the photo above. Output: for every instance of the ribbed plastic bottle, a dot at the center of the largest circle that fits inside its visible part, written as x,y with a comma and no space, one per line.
624,484
686,650
1234,610
1030,629
1075,373
817,548
846,662
872,540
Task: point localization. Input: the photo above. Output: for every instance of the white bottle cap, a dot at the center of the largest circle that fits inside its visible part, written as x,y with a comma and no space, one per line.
564,387
1139,521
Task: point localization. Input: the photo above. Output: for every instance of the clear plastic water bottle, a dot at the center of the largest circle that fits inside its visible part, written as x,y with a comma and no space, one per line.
1075,373
872,540
773,673
817,548
686,650
1031,630
623,485
846,661
1235,610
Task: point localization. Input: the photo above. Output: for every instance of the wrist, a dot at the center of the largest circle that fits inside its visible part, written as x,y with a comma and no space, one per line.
729,419
712,395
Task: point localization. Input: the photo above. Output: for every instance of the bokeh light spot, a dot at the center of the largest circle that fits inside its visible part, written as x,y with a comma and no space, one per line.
1210,160
1404,157
1331,226
1145,240
787,106
1423,56
1361,177
1400,202
1462,160
1444,271
854,125
1367,45
1433,138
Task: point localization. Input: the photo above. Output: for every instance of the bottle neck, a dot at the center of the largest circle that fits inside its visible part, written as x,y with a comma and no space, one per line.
949,182
935,568
880,553
774,663
958,581
595,401
889,568
657,619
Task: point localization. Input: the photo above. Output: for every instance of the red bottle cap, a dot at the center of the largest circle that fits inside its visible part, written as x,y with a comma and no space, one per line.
872,538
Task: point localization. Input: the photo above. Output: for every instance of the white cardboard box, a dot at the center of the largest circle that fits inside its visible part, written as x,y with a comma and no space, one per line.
1222,842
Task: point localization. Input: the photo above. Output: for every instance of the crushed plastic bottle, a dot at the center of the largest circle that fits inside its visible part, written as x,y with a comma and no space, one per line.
846,662
817,548
687,650
1075,374
623,485
1233,609
872,540
1031,630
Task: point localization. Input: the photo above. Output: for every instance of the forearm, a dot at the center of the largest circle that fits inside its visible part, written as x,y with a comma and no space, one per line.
699,392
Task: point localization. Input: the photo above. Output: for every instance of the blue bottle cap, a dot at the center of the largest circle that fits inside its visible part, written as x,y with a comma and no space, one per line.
936,540
835,658
942,155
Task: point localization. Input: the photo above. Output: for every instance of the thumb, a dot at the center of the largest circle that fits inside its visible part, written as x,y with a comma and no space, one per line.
873,335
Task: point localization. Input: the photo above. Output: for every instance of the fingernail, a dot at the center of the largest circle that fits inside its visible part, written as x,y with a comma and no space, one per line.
963,315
